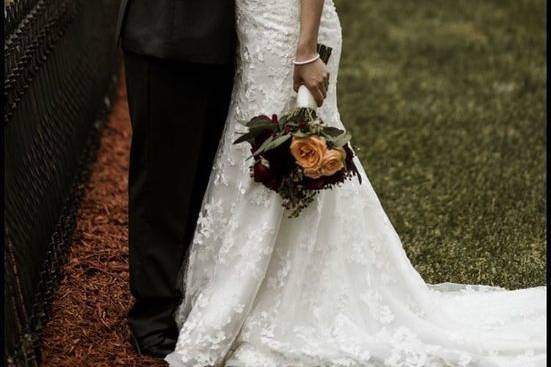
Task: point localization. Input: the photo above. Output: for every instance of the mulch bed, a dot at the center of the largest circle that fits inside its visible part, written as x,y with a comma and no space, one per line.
88,324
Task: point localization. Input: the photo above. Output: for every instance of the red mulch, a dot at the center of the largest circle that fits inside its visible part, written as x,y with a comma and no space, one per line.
88,325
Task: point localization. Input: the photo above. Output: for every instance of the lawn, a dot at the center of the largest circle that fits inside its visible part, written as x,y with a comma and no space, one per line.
446,101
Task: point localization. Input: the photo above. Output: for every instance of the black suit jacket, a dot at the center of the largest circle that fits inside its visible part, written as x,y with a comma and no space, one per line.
200,31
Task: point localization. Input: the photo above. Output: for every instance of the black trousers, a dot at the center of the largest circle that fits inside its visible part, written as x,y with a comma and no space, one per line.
178,110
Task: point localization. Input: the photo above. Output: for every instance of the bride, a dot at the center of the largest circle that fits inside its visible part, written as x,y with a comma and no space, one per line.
333,287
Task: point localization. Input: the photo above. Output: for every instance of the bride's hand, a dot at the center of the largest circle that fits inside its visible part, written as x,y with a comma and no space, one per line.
315,77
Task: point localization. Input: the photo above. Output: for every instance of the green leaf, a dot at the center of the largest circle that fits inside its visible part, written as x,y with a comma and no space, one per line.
241,139
291,124
259,119
341,140
272,143
277,142
332,131
247,137
255,131
263,125
261,148
283,121
300,134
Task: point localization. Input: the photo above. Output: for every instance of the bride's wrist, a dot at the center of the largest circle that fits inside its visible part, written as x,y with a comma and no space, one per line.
306,52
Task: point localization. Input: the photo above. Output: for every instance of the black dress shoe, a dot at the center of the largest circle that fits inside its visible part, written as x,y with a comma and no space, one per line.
162,346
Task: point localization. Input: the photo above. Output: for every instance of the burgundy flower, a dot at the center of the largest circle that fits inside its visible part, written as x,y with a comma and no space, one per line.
281,160
315,184
264,175
261,172
338,177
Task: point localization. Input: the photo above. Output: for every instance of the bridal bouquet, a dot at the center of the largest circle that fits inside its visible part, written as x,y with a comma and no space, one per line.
297,155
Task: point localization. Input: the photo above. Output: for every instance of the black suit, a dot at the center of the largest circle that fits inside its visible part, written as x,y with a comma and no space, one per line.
179,69
201,31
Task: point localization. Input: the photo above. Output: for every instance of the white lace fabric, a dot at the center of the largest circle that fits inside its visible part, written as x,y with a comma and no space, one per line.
333,287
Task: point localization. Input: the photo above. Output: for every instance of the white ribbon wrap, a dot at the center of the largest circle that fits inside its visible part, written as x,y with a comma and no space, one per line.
305,98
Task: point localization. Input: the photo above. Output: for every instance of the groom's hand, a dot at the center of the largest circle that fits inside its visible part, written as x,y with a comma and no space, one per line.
315,77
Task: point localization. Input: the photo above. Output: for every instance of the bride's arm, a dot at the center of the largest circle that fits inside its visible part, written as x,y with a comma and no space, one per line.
313,75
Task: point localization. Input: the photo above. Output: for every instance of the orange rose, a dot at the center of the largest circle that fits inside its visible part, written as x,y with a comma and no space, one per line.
309,152
332,162
312,173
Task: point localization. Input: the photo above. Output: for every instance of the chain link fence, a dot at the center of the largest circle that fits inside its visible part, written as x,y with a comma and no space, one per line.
61,66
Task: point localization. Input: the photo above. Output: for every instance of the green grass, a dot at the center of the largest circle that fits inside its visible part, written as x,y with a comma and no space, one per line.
446,100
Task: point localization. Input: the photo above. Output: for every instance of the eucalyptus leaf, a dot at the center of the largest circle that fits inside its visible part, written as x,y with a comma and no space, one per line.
272,143
261,148
291,124
277,142
332,131
300,134
263,125
341,140
255,131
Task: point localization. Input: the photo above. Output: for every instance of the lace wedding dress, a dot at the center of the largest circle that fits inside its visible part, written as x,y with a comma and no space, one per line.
333,287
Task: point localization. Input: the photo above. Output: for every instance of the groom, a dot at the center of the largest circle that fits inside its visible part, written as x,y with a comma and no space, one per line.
179,58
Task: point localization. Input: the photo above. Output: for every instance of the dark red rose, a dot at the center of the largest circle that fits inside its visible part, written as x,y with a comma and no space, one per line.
274,119
281,160
264,175
261,172
272,184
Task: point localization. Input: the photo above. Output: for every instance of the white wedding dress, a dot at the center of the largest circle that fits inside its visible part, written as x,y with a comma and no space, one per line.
333,287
